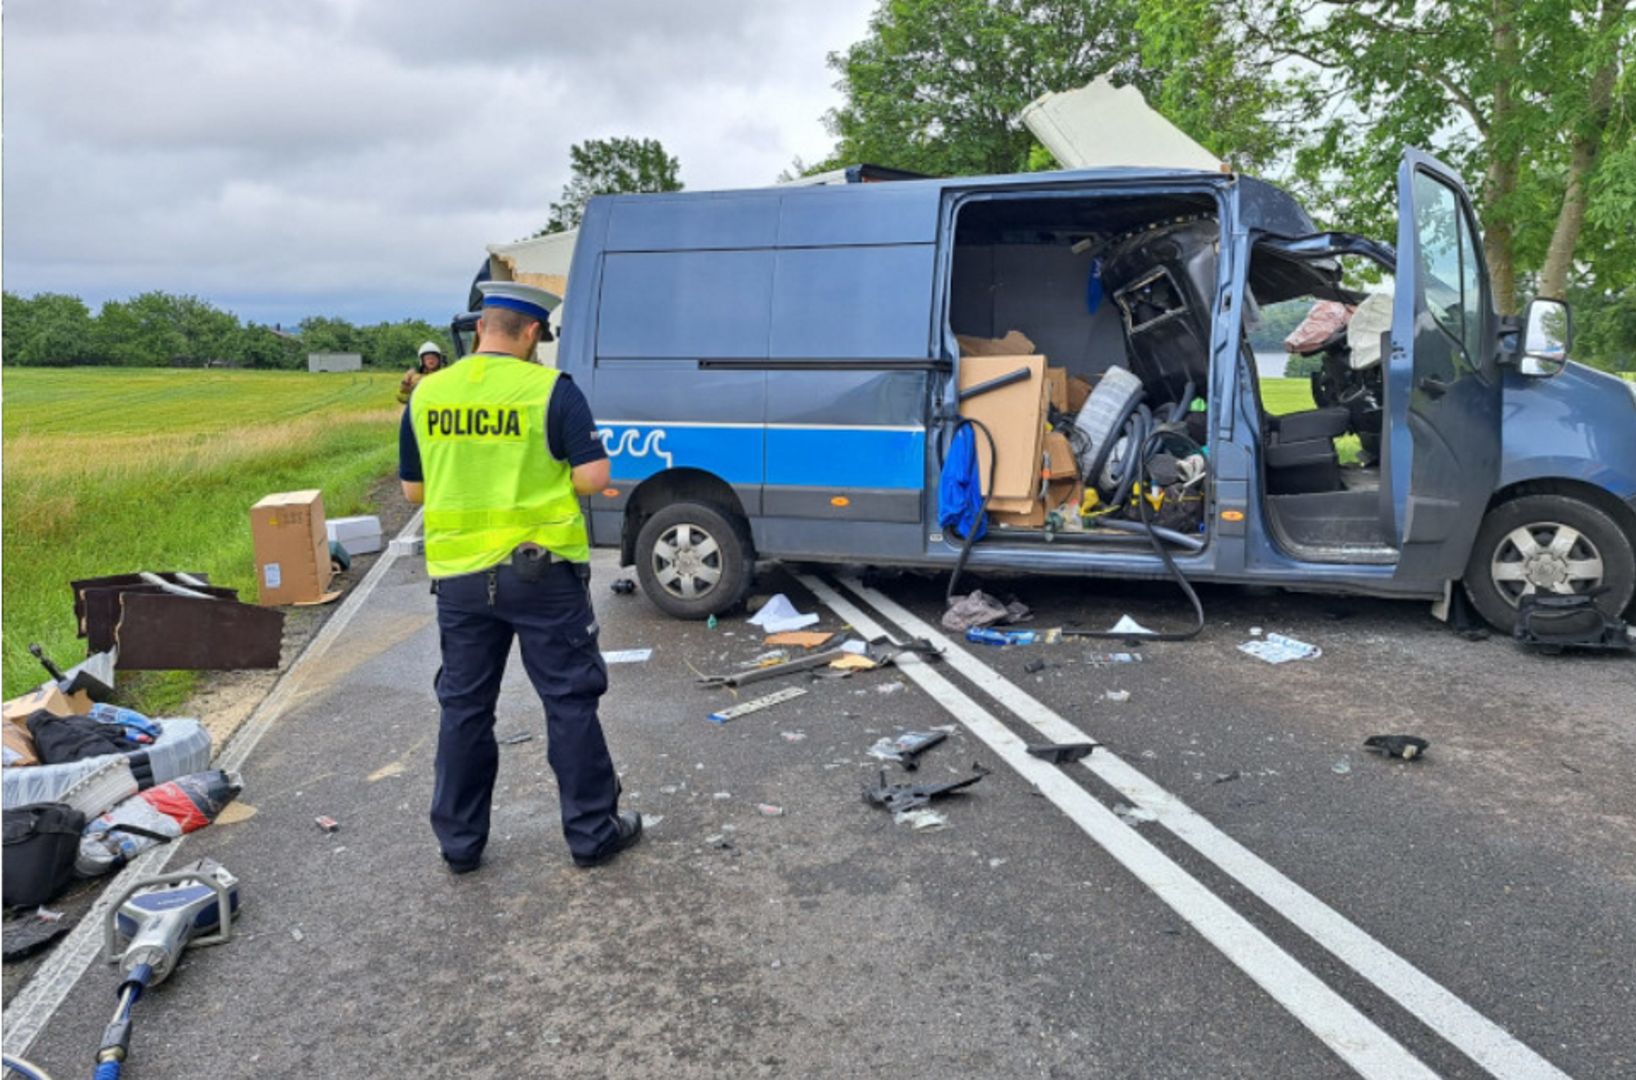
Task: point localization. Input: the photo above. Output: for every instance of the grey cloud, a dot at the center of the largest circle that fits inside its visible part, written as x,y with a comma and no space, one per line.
328,157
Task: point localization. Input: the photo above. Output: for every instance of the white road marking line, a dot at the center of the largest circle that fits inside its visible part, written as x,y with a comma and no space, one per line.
50,986
1352,1036
1478,1037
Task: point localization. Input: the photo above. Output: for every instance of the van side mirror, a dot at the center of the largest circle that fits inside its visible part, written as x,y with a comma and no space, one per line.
1547,331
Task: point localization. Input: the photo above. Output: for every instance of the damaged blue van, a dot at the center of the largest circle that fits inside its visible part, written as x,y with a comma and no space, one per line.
777,373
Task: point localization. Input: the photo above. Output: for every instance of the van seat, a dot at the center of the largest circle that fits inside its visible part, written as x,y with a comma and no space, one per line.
1300,451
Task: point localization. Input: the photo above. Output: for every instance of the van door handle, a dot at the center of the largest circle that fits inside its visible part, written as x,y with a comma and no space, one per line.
1434,386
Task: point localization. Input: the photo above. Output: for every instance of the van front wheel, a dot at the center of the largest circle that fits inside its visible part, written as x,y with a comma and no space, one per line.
1548,543
693,561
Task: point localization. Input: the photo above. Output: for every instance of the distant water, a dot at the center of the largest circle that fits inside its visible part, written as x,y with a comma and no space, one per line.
1270,365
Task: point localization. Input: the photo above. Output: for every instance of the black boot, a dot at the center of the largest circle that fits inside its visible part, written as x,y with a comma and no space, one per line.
629,823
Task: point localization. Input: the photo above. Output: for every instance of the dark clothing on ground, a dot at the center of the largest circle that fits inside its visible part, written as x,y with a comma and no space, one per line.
58,739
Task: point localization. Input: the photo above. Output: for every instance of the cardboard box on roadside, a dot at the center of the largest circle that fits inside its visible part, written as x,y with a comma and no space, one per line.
292,549
359,535
46,696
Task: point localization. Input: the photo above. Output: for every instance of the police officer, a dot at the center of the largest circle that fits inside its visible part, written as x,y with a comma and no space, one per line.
499,449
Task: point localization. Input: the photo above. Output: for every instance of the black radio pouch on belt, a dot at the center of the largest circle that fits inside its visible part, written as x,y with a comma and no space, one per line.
1553,622
530,562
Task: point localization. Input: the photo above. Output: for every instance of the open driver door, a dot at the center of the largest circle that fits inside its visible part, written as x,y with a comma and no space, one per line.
1441,454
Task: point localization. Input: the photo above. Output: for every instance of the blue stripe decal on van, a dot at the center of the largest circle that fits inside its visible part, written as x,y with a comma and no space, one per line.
852,457
637,451
813,456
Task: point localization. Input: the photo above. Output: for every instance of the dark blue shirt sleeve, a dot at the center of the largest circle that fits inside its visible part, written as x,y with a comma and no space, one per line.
571,433
408,451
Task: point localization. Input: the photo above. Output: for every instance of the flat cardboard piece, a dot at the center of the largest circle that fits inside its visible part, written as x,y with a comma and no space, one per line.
78,587
805,639
162,632
1056,388
99,605
1058,493
46,696
1060,463
1078,391
20,744
292,548
1015,343
1014,415
853,662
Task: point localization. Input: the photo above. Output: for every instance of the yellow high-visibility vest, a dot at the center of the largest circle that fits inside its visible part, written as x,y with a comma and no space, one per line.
491,482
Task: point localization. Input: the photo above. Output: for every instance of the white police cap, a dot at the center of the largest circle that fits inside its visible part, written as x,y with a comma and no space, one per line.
529,299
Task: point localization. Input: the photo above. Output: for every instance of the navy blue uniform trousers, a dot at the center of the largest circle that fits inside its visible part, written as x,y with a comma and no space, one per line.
552,620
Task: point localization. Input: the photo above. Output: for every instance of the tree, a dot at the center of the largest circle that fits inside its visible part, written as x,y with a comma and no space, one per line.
1534,102
49,328
611,167
937,85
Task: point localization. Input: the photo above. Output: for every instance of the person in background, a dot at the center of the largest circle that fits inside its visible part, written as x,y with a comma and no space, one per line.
431,359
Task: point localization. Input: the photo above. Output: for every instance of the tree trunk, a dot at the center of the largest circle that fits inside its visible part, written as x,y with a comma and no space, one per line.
1503,168
1559,257
1587,146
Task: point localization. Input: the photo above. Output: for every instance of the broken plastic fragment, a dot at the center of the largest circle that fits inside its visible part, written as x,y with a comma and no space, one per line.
921,819
1117,696
769,810
778,615
1278,649
1128,625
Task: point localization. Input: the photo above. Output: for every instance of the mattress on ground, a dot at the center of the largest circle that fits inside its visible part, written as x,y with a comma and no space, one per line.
182,747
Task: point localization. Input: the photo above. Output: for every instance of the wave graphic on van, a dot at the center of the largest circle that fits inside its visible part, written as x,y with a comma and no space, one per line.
627,442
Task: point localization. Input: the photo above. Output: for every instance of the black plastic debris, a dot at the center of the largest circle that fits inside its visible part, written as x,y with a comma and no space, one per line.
1551,623
1061,753
513,740
906,749
94,674
900,797
623,586
1407,747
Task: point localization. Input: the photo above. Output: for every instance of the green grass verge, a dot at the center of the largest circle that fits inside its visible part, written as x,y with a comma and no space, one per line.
113,471
1280,396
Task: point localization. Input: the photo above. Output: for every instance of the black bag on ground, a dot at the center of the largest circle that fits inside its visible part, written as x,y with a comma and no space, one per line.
1554,621
41,840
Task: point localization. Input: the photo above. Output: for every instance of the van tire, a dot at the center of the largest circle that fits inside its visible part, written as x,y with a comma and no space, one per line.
715,559
1496,558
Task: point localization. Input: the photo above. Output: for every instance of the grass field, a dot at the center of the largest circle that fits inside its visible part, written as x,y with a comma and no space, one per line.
114,471
1280,396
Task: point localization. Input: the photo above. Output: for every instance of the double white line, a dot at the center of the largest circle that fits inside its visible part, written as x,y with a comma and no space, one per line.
1352,1036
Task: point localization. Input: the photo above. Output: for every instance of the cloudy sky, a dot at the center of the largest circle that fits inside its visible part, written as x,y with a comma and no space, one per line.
352,157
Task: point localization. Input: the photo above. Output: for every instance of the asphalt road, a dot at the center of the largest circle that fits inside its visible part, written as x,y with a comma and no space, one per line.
1295,907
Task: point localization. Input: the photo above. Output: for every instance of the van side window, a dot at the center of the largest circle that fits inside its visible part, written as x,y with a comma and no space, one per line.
1453,278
